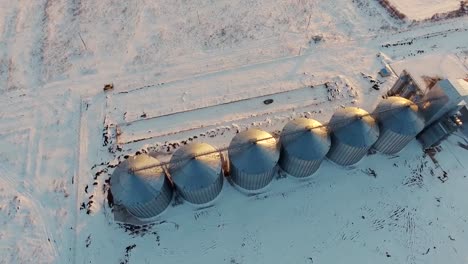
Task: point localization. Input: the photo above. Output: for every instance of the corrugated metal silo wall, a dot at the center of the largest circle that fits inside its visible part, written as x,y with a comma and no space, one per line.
155,206
204,195
390,142
345,155
252,181
297,167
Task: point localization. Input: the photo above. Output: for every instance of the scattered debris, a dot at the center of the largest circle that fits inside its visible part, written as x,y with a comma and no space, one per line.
98,173
127,254
385,72
88,241
399,43
427,251
316,39
332,90
137,230
444,177
374,82
129,248
370,172
431,152
108,87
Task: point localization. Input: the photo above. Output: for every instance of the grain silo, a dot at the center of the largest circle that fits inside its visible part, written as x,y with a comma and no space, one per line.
399,121
353,132
253,155
141,186
196,172
304,144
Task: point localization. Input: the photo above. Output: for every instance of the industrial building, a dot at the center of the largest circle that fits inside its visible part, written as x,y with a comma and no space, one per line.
406,87
419,75
141,186
439,130
353,132
444,108
438,85
446,97
399,122
304,144
253,156
196,172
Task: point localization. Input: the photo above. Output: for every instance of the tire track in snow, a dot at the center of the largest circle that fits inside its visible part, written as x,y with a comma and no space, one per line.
82,148
62,42
410,226
25,55
7,180
86,138
10,178
9,32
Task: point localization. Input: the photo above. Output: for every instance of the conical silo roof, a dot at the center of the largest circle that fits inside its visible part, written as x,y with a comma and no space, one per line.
137,180
354,127
305,139
192,170
253,151
400,115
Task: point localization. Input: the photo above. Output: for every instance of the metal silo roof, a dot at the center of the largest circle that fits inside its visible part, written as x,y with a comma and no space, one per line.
253,151
306,139
190,170
400,115
354,127
131,185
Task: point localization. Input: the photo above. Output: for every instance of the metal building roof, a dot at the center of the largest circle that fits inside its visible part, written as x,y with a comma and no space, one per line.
132,186
354,126
253,151
400,115
455,88
190,170
306,139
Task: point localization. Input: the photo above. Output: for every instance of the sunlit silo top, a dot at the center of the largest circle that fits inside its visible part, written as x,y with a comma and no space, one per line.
305,139
196,172
399,115
253,151
354,127
399,122
304,144
141,186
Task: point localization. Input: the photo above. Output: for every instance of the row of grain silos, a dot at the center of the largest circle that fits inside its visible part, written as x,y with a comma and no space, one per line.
144,189
142,186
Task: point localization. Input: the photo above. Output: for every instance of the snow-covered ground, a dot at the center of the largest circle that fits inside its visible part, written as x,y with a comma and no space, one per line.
422,9
209,65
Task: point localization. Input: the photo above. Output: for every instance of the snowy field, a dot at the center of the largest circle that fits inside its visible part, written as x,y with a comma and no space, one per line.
422,9
199,71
